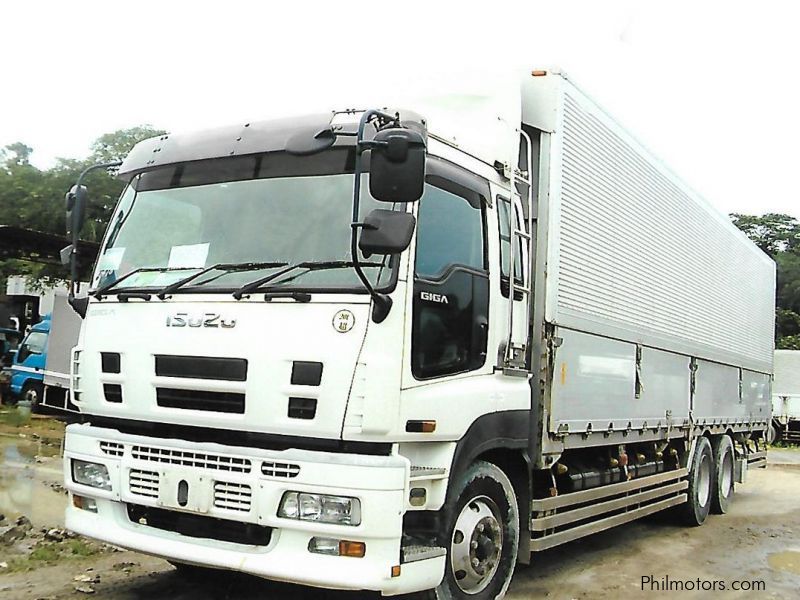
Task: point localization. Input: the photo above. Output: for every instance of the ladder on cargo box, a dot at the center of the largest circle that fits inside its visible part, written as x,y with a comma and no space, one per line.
520,227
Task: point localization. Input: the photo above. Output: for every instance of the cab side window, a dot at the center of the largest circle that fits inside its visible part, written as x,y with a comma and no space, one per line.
34,344
451,293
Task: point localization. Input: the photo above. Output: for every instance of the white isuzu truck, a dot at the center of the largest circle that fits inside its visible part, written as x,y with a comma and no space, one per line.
359,351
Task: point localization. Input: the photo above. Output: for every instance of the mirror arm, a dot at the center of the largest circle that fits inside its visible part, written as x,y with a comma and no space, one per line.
76,303
382,303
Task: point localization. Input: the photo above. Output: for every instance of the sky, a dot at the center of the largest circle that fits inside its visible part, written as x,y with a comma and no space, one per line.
710,87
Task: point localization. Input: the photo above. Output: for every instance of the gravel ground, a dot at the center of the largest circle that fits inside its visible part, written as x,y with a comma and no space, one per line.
758,541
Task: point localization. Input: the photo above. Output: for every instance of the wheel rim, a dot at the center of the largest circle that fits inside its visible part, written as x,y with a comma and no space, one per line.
476,545
727,474
704,480
32,396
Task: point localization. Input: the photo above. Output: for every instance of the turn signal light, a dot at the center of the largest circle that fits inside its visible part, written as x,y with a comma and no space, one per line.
352,549
420,426
84,503
333,547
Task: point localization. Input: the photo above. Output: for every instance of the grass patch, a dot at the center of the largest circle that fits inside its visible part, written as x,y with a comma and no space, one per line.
79,547
12,417
44,553
49,553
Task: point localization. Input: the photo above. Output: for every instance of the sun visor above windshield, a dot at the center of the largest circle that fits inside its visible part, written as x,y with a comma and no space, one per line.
231,140
246,138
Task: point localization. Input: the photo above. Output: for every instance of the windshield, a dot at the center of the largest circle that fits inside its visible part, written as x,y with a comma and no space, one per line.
274,208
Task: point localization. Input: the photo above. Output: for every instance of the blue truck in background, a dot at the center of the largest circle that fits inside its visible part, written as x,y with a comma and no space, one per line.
28,366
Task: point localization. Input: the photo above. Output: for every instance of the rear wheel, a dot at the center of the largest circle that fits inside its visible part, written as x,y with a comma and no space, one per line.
722,491
701,475
772,434
483,537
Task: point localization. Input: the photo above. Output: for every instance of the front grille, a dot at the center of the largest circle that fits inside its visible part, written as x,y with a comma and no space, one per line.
201,367
143,483
199,526
227,402
233,496
192,459
112,448
278,469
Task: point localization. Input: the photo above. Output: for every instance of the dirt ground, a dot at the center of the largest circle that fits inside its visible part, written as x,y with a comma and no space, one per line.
756,544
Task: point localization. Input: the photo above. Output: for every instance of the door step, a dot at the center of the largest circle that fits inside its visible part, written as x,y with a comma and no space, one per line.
418,473
409,554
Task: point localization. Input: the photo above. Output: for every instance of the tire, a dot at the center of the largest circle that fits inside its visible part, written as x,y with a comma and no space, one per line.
772,434
32,391
483,527
701,477
723,486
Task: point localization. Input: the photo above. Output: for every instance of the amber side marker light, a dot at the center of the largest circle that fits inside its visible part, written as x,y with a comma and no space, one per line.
538,73
352,549
396,571
420,426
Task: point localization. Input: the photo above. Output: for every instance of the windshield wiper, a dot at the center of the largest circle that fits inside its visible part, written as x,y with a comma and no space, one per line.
309,266
104,290
226,267
254,285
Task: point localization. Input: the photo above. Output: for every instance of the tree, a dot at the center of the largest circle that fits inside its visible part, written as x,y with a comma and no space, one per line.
779,236
34,198
21,154
773,233
117,144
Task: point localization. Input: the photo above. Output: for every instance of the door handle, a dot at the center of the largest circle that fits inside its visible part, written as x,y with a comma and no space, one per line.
482,337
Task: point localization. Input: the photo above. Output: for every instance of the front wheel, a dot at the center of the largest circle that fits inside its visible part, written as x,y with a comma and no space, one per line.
483,536
33,392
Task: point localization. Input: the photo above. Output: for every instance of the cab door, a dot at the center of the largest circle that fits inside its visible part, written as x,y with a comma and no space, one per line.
450,307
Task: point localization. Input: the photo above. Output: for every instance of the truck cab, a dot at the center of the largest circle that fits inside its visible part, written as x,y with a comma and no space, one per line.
27,368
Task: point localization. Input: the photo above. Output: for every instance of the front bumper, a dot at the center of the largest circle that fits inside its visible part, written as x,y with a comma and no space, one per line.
246,485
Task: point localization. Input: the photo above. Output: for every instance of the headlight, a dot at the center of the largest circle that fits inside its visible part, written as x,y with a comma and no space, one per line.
92,474
339,510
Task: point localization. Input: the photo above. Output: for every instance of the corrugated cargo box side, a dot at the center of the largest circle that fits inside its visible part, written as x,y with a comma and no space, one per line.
636,255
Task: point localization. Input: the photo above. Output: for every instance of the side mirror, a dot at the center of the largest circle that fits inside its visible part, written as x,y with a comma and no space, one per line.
75,204
397,166
386,232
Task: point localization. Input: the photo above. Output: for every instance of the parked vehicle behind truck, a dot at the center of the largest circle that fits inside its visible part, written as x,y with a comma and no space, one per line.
27,367
65,327
785,424
349,352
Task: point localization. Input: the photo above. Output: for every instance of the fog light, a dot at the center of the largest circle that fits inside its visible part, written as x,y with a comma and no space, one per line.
92,474
333,547
84,503
321,508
